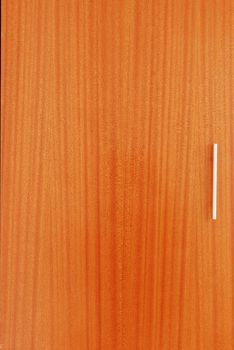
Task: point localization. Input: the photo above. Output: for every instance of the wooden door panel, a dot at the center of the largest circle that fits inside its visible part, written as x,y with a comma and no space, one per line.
109,113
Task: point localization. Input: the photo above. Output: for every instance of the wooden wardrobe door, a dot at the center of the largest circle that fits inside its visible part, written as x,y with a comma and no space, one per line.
109,113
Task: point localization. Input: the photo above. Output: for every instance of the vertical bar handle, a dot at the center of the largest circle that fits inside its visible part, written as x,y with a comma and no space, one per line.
215,180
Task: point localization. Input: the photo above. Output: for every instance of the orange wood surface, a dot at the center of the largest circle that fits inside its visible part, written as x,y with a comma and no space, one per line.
109,113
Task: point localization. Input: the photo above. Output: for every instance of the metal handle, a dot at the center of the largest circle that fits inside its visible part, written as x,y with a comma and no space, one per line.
215,178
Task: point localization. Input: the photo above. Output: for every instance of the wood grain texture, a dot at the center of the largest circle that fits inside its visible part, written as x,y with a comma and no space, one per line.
109,113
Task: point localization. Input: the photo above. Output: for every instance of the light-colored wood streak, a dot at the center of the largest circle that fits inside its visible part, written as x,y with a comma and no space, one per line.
109,113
